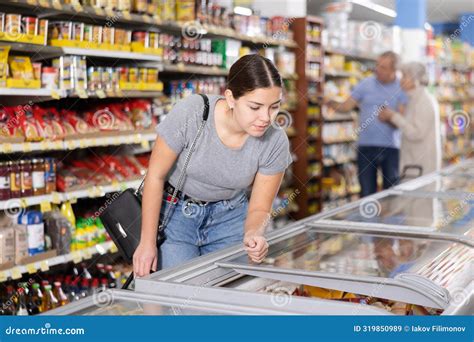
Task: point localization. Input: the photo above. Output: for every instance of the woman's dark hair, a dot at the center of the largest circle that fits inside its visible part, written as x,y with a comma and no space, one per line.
252,72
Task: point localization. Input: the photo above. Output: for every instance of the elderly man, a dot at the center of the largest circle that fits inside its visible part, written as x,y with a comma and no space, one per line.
379,142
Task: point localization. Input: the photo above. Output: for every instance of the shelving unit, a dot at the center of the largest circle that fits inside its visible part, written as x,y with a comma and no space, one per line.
308,166
57,10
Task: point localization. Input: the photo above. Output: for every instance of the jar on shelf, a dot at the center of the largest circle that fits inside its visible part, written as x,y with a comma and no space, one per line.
29,25
15,179
50,175
5,181
38,180
26,178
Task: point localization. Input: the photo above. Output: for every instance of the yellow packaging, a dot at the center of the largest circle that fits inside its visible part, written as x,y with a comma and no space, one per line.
168,10
4,50
185,10
21,67
133,75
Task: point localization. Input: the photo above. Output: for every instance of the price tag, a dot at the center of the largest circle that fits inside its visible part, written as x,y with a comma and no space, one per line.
44,3
7,148
55,198
99,11
116,141
23,203
15,273
146,18
58,145
77,6
137,138
57,4
82,143
110,13
71,144
127,15
82,93
86,253
44,266
119,93
113,248
181,67
43,145
31,268
3,276
76,257
145,144
73,200
27,147
100,94
55,94
45,206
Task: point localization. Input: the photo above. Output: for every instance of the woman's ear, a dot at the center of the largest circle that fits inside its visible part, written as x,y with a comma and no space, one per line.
229,97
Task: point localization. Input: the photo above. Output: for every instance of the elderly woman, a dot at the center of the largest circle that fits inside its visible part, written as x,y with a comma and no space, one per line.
420,124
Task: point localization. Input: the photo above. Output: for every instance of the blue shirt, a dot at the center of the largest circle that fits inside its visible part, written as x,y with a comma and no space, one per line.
370,95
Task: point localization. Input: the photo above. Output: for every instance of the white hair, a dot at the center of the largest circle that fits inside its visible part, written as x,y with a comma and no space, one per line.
416,71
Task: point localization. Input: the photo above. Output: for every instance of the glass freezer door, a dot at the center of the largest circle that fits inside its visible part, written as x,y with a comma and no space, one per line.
368,264
451,218
450,184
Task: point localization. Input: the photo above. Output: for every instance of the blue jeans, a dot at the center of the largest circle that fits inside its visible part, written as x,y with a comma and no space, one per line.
193,230
369,159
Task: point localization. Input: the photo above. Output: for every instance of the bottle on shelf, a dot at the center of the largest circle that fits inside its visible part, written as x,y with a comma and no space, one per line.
49,299
22,309
59,294
35,299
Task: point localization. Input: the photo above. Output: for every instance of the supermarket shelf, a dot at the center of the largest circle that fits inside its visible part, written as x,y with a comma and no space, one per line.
32,92
314,79
87,13
342,141
59,197
121,94
120,139
327,162
37,52
337,73
43,265
195,69
350,55
313,40
339,117
111,54
455,99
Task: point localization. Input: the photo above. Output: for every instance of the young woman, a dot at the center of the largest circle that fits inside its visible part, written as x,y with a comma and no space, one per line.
239,147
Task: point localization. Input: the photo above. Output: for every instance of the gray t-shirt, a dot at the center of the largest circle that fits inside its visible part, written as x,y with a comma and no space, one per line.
217,172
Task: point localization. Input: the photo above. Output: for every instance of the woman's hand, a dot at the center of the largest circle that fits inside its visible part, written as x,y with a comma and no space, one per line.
145,259
256,247
386,114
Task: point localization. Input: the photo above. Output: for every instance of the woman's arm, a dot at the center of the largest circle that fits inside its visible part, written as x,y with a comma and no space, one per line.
419,124
161,160
264,190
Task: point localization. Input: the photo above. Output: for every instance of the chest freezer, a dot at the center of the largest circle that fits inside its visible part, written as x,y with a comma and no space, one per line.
128,303
323,271
454,184
411,213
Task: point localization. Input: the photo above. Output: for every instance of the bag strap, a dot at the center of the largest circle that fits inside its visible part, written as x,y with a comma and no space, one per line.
205,116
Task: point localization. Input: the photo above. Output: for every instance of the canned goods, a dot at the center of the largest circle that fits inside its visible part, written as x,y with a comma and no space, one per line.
78,31
29,25
108,35
42,27
93,74
152,76
141,37
143,74
124,74
97,34
154,40
133,75
13,23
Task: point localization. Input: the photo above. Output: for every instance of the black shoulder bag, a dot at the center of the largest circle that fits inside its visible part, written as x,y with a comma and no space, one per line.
123,217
